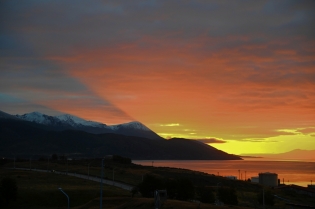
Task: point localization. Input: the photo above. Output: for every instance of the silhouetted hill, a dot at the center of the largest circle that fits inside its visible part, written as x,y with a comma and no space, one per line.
24,139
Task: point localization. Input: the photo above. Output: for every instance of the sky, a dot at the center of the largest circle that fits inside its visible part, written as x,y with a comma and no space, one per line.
238,75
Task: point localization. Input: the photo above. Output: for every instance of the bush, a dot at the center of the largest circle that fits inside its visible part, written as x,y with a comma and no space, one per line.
8,189
269,198
227,195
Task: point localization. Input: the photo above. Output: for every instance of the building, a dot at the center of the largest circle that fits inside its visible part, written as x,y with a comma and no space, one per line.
268,179
254,179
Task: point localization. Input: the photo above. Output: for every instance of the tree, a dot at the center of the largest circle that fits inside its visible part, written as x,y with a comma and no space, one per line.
8,189
227,195
269,198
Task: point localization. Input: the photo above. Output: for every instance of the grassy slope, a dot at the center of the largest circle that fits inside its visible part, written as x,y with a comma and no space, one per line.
40,189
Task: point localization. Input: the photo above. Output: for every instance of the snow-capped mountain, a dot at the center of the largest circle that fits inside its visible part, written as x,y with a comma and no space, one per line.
66,121
40,118
130,125
75,121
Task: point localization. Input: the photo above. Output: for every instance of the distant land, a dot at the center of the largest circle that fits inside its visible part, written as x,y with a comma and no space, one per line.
296,154
35,134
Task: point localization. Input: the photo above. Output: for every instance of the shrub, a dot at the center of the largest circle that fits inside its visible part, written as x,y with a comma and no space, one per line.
269,198
8,189
227,195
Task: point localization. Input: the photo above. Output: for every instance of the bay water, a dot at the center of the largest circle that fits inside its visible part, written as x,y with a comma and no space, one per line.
290,172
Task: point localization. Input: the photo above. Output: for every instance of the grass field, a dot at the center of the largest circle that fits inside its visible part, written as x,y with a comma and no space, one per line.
40,190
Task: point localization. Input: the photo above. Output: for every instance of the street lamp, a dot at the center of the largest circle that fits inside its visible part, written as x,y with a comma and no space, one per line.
66,196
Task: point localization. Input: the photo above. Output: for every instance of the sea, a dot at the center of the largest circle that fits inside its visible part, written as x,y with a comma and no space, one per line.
289,171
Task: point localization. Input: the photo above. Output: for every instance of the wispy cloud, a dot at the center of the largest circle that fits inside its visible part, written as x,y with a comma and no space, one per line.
170,124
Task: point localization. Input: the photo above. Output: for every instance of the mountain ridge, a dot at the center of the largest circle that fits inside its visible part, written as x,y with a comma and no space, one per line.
67,121
20,138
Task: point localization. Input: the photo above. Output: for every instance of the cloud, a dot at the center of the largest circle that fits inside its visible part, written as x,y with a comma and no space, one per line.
306,131
219,64
170,124
211,141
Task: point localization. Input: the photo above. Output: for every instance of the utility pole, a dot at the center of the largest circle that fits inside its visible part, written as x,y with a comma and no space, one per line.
101,196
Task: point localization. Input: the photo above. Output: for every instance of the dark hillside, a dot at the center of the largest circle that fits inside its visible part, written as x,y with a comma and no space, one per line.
22,138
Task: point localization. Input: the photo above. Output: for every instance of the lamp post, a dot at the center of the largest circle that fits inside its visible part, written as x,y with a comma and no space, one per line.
66,196
101,195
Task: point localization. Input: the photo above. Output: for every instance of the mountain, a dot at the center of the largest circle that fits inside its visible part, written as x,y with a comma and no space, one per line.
129,129
22,138
4,115
296,154
66,122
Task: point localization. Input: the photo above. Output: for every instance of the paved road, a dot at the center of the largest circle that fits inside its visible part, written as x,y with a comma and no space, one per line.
90,178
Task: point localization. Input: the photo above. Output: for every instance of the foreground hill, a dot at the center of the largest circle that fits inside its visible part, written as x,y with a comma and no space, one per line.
25,139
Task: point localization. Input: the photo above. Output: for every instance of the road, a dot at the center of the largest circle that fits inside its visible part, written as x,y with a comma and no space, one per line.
86,177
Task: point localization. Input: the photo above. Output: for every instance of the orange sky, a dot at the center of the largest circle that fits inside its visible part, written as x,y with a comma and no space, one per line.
240,76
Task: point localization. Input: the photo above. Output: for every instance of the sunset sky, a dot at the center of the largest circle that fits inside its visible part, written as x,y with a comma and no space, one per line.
239,75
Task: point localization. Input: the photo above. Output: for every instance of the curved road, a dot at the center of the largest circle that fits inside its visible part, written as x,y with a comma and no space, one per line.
90,178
